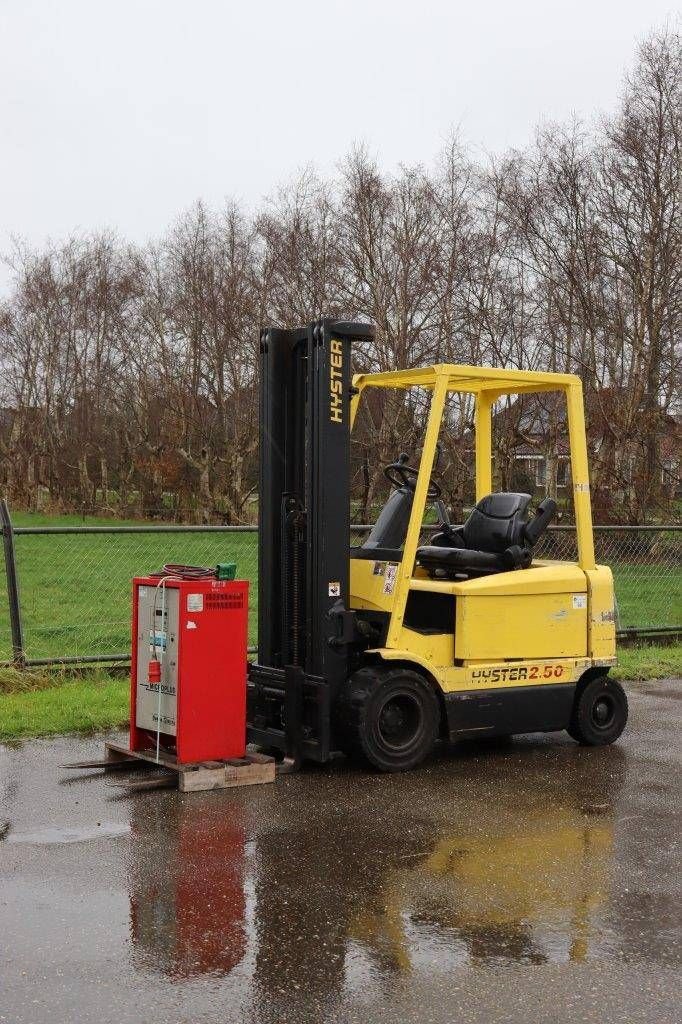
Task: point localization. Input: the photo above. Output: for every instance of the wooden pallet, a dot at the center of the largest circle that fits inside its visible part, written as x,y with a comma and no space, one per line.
251,770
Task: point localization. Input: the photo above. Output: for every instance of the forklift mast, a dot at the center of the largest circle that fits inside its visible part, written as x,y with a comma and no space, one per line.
303,534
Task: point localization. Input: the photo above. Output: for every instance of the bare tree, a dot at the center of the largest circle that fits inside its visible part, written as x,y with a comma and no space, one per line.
129,374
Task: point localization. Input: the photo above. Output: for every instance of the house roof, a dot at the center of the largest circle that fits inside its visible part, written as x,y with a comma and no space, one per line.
533,416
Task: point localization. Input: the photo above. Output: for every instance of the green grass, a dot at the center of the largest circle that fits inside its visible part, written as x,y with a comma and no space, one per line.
648,595
47,703
75,589
41,705
648,662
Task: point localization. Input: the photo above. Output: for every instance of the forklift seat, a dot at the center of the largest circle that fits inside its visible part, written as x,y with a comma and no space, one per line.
388,533
496,537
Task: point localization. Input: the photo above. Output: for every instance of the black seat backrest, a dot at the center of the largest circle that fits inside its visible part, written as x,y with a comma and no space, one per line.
390,529
496,523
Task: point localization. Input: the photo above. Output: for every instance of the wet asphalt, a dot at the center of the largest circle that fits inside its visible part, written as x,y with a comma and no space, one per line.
529,881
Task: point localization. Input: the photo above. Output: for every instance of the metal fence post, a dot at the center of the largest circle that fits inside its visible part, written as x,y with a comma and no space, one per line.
18,655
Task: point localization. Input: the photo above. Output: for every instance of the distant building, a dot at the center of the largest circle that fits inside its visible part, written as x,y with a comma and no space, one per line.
534,433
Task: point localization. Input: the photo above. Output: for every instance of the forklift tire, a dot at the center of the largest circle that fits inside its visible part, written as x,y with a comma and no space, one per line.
600,713
389,717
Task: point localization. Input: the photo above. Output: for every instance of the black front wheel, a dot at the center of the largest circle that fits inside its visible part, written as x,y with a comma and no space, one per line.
389,717
600,713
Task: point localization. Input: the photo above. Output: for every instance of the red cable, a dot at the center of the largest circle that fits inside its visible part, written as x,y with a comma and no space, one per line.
186,572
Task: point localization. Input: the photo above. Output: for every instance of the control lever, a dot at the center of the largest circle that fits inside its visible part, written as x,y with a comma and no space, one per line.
544,514
443,517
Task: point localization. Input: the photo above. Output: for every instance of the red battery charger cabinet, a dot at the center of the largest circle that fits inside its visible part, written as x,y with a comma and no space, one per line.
196,632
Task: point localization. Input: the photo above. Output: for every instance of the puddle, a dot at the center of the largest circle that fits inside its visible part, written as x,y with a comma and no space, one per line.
64,836
529,887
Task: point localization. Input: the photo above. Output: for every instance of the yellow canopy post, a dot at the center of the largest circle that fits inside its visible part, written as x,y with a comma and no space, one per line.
580,474
418,506
484,443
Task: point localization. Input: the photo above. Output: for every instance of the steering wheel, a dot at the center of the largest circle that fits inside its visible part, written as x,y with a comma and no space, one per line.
401,475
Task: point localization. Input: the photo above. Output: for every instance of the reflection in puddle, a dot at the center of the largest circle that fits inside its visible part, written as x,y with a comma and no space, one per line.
189,888
513,895
331,901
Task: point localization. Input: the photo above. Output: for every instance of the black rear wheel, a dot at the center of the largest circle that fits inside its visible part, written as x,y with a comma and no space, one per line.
600,712
389,717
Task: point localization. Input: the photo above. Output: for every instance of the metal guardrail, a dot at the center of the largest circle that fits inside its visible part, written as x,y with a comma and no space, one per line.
68,587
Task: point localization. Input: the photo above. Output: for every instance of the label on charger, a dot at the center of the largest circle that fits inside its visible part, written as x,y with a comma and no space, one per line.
195,602
157,641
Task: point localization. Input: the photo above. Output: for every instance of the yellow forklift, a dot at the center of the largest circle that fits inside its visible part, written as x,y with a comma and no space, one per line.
382,649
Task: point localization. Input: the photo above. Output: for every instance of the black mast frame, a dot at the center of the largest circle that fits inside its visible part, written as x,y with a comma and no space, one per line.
303,536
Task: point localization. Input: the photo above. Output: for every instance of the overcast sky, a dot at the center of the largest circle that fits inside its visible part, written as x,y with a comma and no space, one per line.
120,114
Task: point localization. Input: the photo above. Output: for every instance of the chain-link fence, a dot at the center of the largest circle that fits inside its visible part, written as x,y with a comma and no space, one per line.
75,583
74,587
